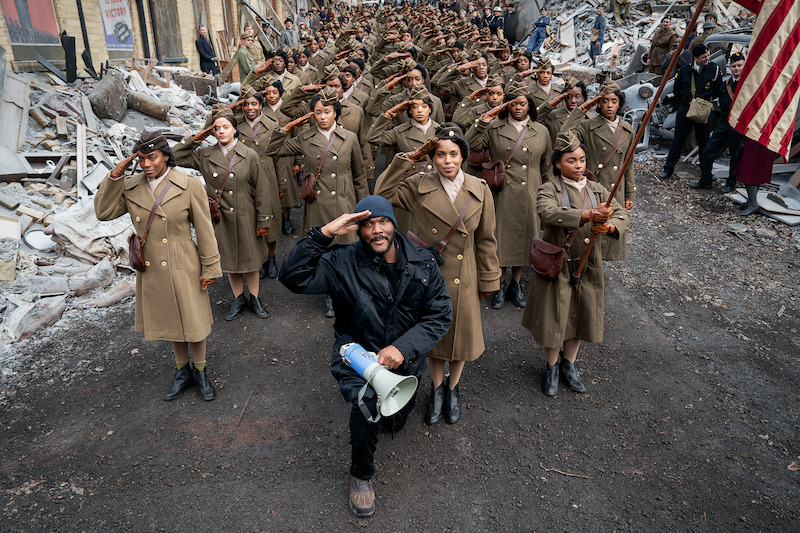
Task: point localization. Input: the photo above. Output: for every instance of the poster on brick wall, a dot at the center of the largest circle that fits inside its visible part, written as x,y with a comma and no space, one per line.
31,22
117,23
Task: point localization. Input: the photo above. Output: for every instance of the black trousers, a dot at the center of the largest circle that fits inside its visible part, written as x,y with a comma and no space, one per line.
683,127
364,435
722,133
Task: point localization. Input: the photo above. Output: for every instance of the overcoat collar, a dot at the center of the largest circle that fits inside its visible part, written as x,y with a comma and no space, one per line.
436,201
138,192
504,129
216,157
317,139
597,125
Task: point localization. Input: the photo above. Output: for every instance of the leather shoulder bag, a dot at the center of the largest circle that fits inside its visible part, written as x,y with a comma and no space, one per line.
135,244
699,108
495,173
547,259
307,192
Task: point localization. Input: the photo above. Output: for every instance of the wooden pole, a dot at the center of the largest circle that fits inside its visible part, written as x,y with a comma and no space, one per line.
640,132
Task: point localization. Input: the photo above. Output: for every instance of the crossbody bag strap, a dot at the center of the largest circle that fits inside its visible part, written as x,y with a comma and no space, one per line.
516,146
692,83
613,151
455,226
226,176
155,208
324,155
565,203
255,132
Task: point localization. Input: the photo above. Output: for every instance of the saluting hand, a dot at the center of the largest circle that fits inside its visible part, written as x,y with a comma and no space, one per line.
422,152
308,89
263,66
586,106
558,99
395,111
203,134
466,66
493,112
477,94
391,84
296,123
344,224
397,55
119,170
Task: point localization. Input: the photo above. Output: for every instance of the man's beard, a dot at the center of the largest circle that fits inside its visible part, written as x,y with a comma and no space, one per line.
389,239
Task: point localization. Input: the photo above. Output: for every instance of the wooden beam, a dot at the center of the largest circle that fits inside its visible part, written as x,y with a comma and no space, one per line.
81,149
795,179
657,22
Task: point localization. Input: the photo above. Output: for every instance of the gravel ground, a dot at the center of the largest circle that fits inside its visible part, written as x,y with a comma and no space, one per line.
690,422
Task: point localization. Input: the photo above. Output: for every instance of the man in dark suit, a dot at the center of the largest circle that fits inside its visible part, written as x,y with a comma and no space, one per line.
511,23
707,80
207,57
723,132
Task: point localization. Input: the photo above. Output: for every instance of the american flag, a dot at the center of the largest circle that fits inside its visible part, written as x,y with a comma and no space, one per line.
765,103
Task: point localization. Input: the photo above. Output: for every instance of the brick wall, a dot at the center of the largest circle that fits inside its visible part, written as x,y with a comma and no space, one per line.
67,16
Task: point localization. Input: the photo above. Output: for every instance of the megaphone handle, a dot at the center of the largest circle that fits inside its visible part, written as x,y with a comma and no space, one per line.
364,408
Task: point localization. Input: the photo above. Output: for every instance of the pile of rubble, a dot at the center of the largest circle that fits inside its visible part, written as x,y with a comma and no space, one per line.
573,21
54,253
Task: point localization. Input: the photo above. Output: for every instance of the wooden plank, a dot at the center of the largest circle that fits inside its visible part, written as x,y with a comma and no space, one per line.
38,115
9,202
795,179
222,45
725,13
61,127
81,156
91,119
785,168
226,71
31,212
567,40
14,110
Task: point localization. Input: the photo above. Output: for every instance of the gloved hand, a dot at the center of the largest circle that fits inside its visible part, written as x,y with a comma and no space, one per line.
599,214
603,228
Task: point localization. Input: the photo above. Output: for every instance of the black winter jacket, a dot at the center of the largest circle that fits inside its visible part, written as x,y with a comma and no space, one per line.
413,316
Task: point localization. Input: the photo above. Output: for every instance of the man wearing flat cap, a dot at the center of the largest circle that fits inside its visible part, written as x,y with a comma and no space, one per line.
390,297
289,36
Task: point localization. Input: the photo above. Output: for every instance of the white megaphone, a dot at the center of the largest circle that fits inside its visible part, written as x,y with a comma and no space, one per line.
394,391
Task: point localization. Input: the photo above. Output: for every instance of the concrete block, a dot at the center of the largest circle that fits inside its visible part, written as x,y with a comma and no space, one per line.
109,98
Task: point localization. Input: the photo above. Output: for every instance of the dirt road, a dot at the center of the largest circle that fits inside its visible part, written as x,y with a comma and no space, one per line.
690,422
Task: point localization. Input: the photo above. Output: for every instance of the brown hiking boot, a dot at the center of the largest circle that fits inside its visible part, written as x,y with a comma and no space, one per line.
362,496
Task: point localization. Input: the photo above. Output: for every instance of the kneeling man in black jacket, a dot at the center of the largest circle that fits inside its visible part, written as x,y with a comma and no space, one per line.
390,297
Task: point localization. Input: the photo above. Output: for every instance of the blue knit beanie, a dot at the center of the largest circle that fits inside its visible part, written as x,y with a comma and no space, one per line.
378,206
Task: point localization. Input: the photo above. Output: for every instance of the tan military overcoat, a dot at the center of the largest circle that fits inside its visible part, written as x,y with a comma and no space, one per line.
517,220
170,306
557,310
342,182
605,158
244,203
470,258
